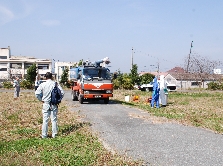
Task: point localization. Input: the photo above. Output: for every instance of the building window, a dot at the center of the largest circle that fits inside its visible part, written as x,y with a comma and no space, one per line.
16,65
195,83
3,57
3,69
43,66
27,65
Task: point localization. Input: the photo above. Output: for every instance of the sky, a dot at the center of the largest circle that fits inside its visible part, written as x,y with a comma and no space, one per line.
153,32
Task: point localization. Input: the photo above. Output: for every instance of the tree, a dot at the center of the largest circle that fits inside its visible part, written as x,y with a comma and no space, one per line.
31,73
134,75
201,67
80,62
146,78
127,82
117,80
123,81
64,77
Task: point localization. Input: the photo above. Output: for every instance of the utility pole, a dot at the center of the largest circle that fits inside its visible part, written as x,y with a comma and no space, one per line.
158,69
189,56
132,59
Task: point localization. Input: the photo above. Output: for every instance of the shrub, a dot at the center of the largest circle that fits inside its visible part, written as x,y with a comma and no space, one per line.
214,86
26,84
116,84
7,84
221,86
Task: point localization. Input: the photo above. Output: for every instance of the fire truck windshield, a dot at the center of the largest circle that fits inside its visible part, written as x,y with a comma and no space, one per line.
97,73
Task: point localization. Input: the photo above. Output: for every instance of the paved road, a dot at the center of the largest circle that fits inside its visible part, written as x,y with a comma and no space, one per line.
137,134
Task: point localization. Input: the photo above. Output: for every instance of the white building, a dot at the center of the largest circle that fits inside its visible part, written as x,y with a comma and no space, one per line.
60,67
17,65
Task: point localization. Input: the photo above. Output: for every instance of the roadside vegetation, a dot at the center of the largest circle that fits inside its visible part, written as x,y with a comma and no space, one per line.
126,81
21,122
201,108
21,144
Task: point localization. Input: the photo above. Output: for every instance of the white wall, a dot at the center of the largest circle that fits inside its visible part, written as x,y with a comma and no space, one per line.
22,71
60,66
5,52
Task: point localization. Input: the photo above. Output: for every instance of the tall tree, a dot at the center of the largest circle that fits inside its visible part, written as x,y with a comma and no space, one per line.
64,77
31,73
134,75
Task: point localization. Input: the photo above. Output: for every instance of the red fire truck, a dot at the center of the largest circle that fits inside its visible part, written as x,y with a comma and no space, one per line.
91,81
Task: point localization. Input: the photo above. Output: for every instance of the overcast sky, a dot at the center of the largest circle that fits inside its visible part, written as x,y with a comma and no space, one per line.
70,30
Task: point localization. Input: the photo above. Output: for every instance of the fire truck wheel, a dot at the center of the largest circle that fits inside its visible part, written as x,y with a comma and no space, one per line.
73,96
106,101
81,100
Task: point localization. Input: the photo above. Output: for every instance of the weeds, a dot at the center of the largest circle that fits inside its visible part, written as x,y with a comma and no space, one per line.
21,122
202,108
21,144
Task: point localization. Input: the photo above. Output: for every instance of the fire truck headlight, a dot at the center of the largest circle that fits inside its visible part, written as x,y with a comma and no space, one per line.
86,92
108,91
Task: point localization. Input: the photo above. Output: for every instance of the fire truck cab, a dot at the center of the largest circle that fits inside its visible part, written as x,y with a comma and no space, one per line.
91,81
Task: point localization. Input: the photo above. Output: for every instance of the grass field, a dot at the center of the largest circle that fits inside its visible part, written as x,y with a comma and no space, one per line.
196,108
21,144
21,122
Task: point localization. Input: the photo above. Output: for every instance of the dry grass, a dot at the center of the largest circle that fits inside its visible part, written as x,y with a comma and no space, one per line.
20,144
21,122
201,108
24,116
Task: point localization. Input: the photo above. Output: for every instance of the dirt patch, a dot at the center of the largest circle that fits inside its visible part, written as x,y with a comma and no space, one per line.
153,119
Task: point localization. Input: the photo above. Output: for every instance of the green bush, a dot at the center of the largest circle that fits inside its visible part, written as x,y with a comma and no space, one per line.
214,86
7,84
26,84
116,84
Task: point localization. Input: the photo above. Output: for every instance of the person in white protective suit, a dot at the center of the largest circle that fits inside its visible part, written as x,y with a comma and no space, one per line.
163,91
